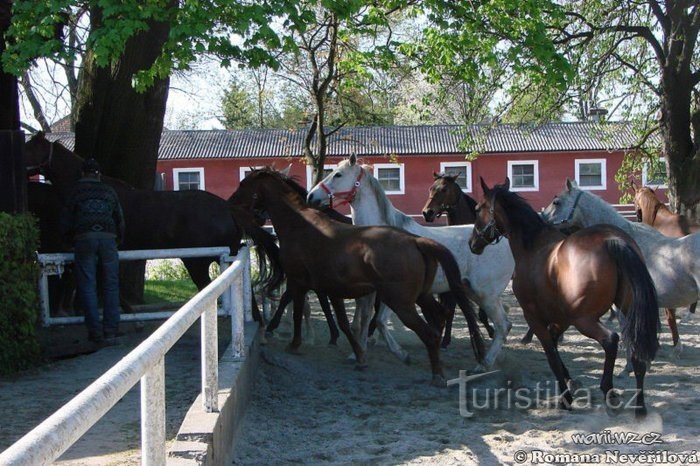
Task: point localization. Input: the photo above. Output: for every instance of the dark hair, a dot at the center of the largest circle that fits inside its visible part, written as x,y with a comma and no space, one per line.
91,166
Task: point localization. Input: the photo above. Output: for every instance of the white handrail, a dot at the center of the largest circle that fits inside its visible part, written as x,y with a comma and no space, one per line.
145,363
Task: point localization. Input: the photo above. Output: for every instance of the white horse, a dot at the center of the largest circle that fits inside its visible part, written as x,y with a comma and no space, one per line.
488,274
673,263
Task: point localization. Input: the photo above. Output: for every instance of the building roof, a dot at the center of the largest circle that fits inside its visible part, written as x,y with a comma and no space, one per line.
393,140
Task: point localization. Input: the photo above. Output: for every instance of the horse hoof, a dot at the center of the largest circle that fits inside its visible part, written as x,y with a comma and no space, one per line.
372,341
407,360
438,381
678,350
444,344
361,367
351,358
613,403
291,349
479,369
526,340
333,343
640,412
269,334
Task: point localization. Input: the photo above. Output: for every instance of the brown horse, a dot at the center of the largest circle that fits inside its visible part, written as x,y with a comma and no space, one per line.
446,196
652,211
346,261
562,281
163,219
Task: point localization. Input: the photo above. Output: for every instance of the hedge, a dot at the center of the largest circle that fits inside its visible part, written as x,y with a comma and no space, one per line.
19,237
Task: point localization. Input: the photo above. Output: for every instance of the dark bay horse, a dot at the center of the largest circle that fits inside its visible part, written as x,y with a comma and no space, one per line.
164,219
346,261
652,211
446,196
562,281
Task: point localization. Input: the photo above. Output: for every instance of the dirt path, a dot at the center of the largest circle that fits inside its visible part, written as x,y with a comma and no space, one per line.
30,397
316,408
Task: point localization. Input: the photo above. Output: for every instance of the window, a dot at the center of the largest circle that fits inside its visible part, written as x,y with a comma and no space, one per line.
591,174
390,176
244,171
463,170
310,174
654,174
185,179
524,175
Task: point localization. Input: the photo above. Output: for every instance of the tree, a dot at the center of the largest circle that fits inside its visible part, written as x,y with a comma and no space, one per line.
582,51
239,110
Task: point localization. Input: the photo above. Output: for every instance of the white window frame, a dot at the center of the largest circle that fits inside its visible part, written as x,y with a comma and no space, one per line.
603,174
645,175
243,170
467,172
402,179
536,174
176,176
310,173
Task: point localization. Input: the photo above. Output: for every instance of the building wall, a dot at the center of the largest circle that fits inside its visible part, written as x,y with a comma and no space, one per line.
221,176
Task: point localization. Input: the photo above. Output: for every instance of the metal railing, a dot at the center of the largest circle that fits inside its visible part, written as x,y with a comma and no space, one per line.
54,264
146,363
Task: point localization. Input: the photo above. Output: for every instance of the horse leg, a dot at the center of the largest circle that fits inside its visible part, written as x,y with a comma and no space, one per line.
673,325
298,296
609,340
198,268
373,322
428,335
285,299
447,300
383,326
527,339
307,320
344,324
484,319
555,363
326,307
497,314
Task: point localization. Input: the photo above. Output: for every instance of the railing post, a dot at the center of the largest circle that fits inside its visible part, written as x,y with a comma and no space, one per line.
44,303
153,416
247,289
237,319
210,359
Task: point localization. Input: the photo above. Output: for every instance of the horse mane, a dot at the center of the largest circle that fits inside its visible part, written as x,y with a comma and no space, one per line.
520,214
391,214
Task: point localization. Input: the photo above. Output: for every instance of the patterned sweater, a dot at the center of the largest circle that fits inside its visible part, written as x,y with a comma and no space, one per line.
93,210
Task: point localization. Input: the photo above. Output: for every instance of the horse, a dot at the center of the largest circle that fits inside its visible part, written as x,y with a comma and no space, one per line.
653,212
573,280
446,196
487,275
672,262
348,261
164,219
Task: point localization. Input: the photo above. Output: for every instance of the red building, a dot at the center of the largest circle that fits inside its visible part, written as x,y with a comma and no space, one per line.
536,159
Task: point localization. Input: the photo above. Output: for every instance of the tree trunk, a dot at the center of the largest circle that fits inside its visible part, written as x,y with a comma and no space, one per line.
681,153
118,126
12,171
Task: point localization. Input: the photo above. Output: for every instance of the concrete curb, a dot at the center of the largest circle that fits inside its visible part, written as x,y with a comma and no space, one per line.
209,438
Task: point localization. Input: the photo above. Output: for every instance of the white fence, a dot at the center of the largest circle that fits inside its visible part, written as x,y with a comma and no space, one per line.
54,264
146,363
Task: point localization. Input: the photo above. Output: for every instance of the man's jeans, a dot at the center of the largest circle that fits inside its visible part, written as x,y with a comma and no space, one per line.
87,253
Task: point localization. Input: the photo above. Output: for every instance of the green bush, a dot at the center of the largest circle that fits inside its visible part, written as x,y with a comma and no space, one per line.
19,300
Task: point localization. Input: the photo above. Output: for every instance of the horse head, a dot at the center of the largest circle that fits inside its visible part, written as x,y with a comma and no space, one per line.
443,196
646,204
562,212
53,160
490,224
340,186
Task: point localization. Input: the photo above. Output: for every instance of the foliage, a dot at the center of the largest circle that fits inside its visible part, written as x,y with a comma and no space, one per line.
238,108
19,303
166,269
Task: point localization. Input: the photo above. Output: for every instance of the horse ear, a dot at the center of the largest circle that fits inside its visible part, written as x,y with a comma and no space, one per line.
454,177
436,175
634,185
484,187
353,159
285,171
571,184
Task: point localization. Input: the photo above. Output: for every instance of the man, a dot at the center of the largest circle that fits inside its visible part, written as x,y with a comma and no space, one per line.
93,219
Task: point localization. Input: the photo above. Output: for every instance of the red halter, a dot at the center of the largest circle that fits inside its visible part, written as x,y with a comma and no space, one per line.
346,197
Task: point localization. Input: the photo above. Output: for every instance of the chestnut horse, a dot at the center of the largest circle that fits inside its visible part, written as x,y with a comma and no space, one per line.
652,211
573,280
347,261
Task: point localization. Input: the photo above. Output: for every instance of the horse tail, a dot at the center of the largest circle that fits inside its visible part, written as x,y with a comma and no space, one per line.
444,257
641,325
270,271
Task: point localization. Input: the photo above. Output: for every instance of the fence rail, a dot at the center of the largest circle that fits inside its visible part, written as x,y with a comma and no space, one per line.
146,363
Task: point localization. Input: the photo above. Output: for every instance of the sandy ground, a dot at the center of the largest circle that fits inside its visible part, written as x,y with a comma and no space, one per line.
30,397
315,408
